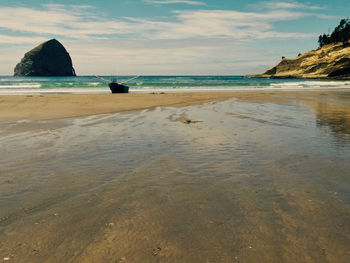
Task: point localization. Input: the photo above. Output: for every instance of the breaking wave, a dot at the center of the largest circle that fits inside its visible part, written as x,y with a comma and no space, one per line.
147,84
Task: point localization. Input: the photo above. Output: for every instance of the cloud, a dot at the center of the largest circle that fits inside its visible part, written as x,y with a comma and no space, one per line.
59,20
165,2
186,42
289,5
82,22
241,26
150,57
6,39
180,57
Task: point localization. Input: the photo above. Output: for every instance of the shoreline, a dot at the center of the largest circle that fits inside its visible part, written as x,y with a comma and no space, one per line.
292,77
61,106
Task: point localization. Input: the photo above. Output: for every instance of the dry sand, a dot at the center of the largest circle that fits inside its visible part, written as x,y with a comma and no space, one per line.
44,107
57,106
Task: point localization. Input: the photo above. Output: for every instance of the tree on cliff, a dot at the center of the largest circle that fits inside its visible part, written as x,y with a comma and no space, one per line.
340,34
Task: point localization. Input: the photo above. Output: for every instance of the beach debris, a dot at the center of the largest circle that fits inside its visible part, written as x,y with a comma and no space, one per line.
190,121
40,222
122,259
156,251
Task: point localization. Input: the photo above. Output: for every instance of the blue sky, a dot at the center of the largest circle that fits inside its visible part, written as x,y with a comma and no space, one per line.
176,37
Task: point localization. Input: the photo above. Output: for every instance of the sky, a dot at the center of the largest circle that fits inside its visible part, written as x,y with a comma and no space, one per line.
167,37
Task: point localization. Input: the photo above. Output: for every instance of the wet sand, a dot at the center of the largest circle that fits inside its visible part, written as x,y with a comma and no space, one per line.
261,177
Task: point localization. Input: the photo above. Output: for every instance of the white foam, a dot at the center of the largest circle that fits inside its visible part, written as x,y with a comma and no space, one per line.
311,84
35,88
20,86
53,91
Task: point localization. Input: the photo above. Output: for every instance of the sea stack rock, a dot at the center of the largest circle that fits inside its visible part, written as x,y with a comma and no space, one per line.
48,59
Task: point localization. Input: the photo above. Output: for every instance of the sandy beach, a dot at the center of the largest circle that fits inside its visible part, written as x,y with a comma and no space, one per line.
58,106
255,177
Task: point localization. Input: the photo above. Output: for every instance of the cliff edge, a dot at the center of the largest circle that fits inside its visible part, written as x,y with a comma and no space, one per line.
328,61
48,59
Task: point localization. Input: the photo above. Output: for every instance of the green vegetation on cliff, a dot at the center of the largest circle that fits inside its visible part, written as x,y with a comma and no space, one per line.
330,60
340,34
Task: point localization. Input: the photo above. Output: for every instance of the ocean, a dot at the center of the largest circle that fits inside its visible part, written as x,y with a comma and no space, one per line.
147,84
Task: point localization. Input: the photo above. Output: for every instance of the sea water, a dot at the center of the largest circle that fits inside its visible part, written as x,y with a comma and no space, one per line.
148,84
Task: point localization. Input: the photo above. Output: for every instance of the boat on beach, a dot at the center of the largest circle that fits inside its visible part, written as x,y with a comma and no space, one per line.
118,88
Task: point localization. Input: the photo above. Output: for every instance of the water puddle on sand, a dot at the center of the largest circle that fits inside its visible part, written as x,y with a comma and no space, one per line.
232,181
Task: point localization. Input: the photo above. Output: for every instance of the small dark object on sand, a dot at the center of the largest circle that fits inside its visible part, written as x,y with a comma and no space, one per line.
190,121
118,88
156,251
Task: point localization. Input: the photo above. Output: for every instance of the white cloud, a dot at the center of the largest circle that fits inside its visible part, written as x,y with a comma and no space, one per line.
144,57
192,42
165,2
289,5
6,39
73,22
58,20
232,24
172,56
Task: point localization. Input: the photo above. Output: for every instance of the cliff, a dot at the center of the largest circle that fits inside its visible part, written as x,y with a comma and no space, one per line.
48,59
328,61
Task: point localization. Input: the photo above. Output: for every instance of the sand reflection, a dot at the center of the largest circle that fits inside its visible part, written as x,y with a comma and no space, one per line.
254,181
334,116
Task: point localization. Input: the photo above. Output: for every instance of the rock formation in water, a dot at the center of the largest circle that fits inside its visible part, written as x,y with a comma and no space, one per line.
48,59
328,61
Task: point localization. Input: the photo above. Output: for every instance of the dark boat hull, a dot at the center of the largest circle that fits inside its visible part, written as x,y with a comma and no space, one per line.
118,88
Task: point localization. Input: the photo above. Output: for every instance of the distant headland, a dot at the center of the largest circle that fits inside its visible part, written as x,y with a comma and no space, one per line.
330,60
